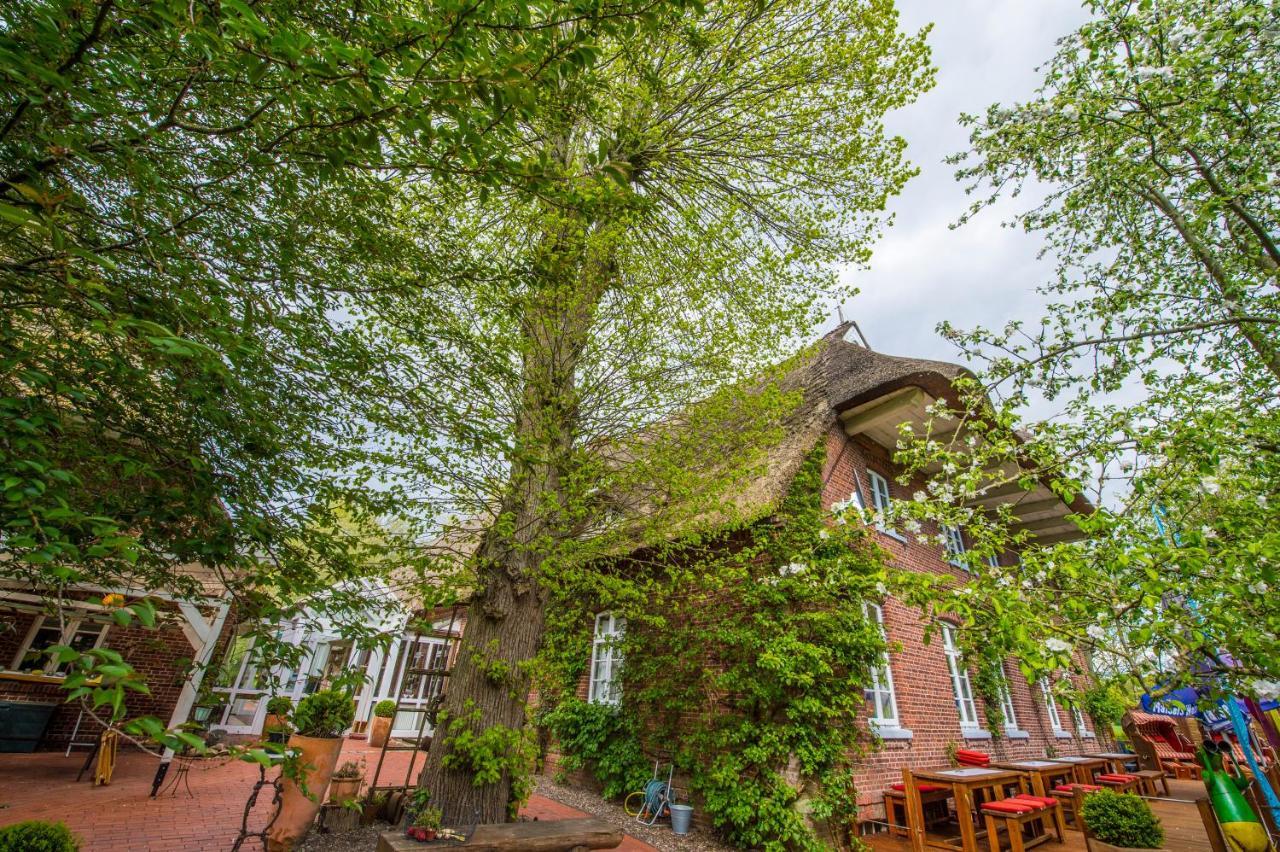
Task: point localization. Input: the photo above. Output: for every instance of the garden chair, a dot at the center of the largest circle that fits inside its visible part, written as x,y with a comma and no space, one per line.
1016,813
933,797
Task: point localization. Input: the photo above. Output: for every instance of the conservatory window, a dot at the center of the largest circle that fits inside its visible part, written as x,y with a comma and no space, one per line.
80,633
606,659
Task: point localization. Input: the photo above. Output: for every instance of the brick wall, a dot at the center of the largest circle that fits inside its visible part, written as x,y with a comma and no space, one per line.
162,657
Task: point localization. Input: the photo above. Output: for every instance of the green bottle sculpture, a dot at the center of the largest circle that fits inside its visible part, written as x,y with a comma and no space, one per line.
1240,825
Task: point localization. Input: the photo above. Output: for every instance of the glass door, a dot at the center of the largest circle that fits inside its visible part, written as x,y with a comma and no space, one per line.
242,704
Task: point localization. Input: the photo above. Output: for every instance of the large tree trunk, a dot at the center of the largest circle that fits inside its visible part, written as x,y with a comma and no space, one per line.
505,618
504,622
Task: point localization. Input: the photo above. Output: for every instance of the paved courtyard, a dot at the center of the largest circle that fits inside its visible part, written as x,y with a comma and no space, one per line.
123,816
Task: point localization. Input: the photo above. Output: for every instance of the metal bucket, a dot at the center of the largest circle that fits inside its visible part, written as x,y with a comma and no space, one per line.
681,817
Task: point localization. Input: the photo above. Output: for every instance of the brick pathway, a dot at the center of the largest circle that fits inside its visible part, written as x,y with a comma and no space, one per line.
123,818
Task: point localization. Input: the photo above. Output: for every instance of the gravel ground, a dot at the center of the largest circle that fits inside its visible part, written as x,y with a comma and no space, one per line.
657,835
364,839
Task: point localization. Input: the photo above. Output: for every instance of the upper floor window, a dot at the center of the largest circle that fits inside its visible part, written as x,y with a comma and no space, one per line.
882,707
1006,703
881,501
960,685
79,633
993,561
1051,707
954,540
606,659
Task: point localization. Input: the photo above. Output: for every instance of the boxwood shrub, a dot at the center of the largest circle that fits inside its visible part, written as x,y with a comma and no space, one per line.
36,836
1122,819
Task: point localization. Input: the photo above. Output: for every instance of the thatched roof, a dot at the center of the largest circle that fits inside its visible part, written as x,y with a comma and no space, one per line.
835,376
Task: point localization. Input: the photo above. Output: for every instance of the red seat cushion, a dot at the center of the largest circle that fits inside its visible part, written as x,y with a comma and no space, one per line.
1070,788
921,786
968,757
1118,778
1010,806
1038,801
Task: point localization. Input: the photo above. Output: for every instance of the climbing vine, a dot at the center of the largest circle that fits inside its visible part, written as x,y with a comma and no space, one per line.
746,652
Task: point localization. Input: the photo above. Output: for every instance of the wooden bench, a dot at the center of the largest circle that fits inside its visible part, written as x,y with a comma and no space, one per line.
562,835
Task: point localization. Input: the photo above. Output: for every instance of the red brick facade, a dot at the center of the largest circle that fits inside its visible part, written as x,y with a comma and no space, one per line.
922,682
161,656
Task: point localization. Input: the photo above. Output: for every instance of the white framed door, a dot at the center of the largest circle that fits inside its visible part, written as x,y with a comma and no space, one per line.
243,703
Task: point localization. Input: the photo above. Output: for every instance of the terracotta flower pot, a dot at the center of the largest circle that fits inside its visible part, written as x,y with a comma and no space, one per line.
318,758
342,790
274,720
379,730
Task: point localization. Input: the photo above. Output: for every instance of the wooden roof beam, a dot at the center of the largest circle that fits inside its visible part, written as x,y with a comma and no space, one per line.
892,406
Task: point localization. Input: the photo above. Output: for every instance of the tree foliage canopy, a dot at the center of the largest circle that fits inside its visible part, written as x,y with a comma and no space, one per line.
1152,150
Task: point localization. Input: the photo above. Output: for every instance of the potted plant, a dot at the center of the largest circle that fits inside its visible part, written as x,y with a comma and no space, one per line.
319,721
373,808
380,728
278,710
344,786
1119,821
425,824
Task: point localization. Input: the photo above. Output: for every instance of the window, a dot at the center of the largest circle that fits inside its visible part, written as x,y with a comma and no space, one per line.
993,561
1051,707
1006,704
80,633
880,502
955,546
606,659
882,708
1082,727
960,685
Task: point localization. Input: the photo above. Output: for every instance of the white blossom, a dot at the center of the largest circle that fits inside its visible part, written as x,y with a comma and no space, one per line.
1096,632
1057,645
1259,588
1210,485
919,496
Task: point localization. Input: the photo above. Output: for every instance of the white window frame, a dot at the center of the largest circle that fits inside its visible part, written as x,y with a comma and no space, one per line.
50,668
1082,725
881,500
880,691
954,547
606,659
1051,707
1011,729
993,561
961,688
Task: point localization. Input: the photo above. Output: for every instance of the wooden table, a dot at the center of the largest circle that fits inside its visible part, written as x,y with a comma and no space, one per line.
1044,774
1085,766
1116,760
964,782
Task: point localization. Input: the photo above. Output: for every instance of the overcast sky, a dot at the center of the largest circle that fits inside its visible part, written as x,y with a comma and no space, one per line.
981,274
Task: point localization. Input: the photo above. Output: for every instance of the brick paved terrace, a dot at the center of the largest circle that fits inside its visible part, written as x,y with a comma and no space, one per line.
122,816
